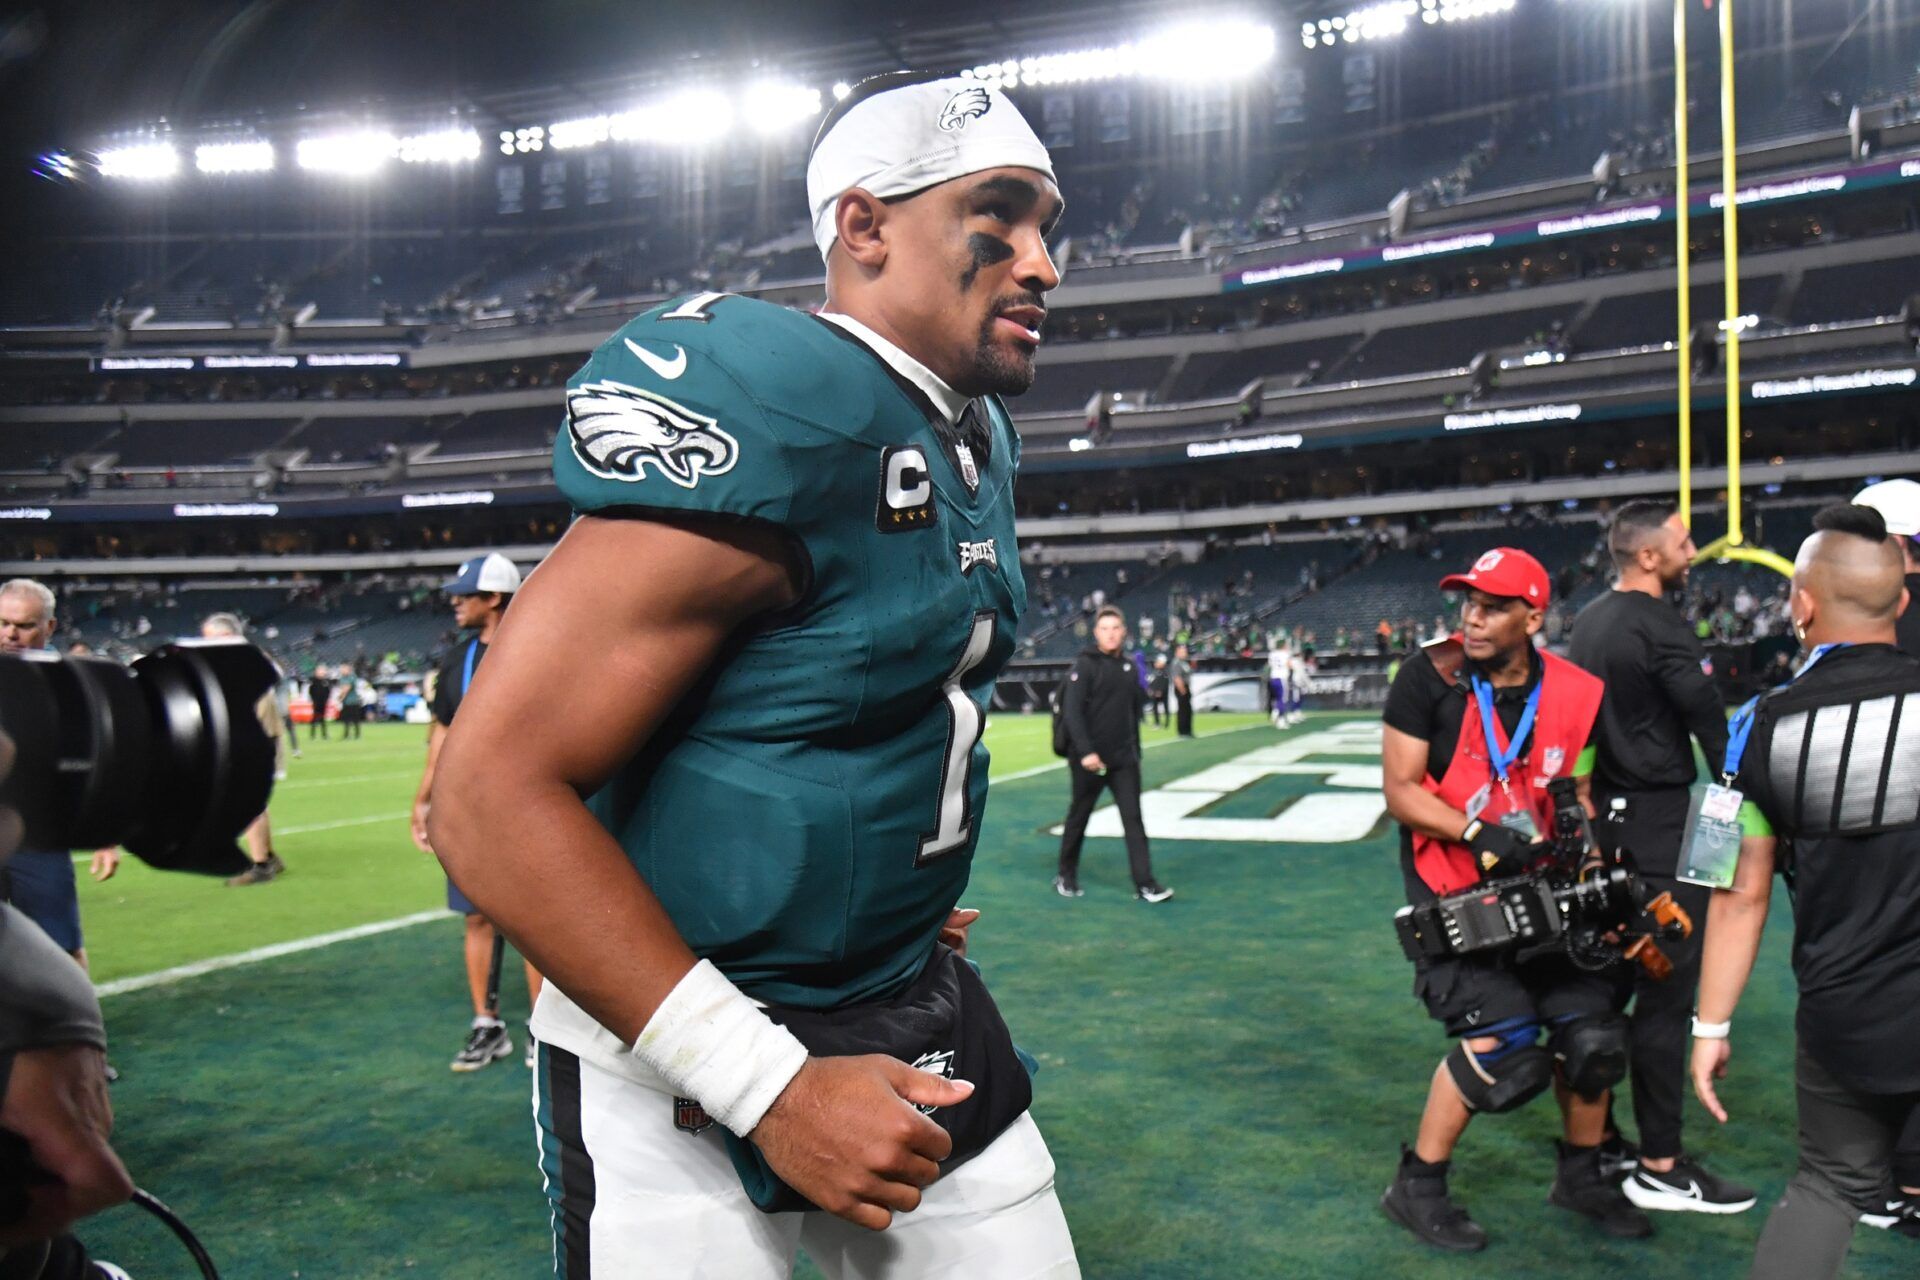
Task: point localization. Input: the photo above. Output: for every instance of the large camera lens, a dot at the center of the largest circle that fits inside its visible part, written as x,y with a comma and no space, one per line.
168,758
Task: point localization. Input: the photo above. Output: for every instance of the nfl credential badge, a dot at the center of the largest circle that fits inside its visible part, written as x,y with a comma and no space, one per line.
906,490
690,1117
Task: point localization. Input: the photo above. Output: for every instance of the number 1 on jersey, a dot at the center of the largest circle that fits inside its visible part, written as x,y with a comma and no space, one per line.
965,722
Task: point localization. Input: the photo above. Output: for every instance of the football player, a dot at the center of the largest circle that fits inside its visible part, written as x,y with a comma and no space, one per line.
759,1033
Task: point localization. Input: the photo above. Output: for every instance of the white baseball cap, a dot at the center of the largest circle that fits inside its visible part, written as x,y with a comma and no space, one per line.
905,131
1898,501
491,572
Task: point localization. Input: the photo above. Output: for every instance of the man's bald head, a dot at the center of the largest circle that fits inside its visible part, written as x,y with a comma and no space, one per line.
1848,580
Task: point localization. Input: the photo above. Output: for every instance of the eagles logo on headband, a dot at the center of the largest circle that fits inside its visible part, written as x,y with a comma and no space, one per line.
901,133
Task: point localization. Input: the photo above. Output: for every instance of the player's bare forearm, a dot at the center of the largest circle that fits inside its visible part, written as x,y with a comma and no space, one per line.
1403,765
1736,921
602,642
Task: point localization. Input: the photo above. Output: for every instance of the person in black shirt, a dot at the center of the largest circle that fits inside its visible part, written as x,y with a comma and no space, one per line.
1470,798
319,692
1659,697
1101,707
480,593
1832,766
1898,502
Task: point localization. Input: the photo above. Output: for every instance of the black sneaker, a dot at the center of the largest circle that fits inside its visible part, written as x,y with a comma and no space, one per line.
1068,887
1902,1216
257,873
1686,1188
486,1044
1580,1185
1618,1157
1152,891
1418,1201
275,867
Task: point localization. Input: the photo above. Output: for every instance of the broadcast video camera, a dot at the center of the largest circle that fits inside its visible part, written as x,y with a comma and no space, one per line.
1575,897
167,759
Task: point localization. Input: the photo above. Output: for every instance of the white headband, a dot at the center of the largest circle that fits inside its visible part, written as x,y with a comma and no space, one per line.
902,140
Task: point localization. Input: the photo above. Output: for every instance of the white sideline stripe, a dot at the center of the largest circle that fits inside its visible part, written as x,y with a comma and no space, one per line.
166,977
335,782
179,973
317,826
1039,769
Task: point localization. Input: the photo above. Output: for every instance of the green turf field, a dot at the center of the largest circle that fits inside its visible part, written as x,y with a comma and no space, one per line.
1224,1079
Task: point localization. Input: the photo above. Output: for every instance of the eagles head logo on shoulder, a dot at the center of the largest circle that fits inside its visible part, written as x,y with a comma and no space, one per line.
968,104
618,431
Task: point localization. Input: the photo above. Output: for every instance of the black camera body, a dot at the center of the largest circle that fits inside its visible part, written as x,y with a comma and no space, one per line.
1575,897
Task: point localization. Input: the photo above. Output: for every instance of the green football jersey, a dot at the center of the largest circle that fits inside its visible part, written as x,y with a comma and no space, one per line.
808,816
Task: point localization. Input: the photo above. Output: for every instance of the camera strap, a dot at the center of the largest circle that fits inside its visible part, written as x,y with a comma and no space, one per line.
1502,758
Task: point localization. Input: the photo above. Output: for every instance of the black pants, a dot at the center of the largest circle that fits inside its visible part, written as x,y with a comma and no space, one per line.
1846,1149
1157,704
1906,1157
1661,1037
1124,781
1183,714
317,727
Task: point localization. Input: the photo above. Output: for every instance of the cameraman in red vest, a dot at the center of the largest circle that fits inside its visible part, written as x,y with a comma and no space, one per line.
1476,726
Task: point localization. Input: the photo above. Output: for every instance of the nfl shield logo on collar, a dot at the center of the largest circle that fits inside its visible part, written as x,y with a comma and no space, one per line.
968,471
690,1117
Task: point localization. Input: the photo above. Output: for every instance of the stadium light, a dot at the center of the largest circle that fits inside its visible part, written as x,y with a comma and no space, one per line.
772,107
145,161
1392,18
255,156
1196,50
687,118
841,89
441,146
355,153
58,166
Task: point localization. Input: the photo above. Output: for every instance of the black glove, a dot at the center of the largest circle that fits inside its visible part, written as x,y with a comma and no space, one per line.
1497,850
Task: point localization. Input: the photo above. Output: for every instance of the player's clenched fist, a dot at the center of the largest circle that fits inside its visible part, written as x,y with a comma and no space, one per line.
845,1135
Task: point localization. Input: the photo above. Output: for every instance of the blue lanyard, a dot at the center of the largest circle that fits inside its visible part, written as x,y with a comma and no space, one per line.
1483,694
1740,728
473,655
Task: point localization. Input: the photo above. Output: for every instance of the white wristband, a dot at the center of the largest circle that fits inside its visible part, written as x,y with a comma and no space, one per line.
1711,1030
714,1045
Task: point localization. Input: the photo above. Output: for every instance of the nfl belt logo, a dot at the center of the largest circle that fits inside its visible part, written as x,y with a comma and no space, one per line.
690,1117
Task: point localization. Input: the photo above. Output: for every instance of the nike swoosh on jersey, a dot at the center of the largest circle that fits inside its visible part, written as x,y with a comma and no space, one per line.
668,369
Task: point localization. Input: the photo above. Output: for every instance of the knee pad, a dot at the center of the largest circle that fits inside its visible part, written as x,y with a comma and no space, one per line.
1506,1077
1592,1052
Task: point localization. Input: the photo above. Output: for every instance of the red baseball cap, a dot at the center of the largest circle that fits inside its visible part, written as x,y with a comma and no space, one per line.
1505,571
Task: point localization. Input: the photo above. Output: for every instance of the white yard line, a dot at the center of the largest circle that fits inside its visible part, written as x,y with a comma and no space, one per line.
167,977
335,782
1039,769
317,826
